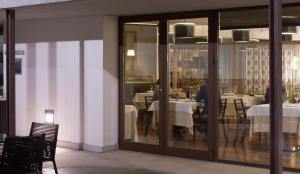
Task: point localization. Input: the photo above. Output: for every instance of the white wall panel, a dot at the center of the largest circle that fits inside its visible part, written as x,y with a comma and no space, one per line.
67,69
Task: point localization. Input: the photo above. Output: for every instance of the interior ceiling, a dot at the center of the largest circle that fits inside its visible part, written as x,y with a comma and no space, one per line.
197,21
127,7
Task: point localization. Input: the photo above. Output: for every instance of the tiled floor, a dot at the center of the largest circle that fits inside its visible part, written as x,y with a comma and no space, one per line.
252,150
125,162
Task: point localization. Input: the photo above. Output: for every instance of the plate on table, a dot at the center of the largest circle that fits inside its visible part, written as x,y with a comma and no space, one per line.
186,100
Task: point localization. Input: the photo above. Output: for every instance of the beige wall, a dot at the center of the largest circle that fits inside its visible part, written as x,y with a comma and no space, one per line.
70,65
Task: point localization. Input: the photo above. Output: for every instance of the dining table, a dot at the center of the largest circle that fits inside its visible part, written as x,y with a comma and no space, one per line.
260,119
180,112
131,115
139,99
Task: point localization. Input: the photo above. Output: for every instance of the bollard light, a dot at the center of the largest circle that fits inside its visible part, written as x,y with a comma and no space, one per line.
49,116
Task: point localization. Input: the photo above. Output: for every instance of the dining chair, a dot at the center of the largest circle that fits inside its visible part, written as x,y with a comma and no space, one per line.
241,119
22,155
222,120
51,132
149,115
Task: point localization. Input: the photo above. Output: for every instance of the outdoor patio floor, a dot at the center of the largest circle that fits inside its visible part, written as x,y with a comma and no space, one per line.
126,162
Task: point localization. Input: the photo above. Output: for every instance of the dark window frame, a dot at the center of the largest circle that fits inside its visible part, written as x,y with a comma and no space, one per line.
163,17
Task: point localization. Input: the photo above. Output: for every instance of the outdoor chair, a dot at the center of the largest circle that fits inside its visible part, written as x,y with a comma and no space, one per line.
22,155
51,132
242,122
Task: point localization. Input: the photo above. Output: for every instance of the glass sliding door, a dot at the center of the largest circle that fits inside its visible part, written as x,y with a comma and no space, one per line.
190,90
3,113
243,80
291,86
167,90
141,88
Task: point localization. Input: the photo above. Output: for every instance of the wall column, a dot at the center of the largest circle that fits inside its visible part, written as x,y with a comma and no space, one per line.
10,71
275,30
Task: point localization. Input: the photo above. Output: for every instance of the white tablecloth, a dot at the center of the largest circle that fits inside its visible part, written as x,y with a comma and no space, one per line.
2,98
180,113
247,100
260,119
131,115
139,99
291,110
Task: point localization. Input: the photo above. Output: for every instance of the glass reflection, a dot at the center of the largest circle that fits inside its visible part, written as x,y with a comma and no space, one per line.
141,70
188,79
244,84
3,115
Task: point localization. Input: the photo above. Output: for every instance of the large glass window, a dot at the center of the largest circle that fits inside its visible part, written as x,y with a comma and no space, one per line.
242,93
244,86
1,60
291,86
141,87
188,83
3,115
243,71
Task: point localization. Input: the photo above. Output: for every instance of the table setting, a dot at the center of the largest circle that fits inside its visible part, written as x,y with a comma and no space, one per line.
260,119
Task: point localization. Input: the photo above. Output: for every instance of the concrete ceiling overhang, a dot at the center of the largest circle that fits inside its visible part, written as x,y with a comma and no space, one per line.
127,7
20,3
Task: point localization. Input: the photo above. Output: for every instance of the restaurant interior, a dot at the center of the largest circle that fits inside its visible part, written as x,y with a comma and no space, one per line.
243,84
2,98
1,60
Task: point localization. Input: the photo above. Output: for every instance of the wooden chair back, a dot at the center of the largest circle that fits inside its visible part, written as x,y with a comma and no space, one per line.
240,109
148,101
222,108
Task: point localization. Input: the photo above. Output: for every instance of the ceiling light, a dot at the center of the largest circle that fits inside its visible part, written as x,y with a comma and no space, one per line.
288,28
240,35
184,29
131,52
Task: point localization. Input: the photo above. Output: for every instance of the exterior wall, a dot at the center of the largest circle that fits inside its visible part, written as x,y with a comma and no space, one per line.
93,94
18,3
64,68
110,77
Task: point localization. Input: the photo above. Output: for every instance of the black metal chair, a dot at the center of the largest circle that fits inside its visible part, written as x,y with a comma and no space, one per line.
22,155
200,120
241,119
222,109
51,132
148,101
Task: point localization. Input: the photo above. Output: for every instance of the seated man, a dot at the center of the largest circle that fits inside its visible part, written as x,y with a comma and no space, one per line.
267,95
202,110
202,95
156,92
